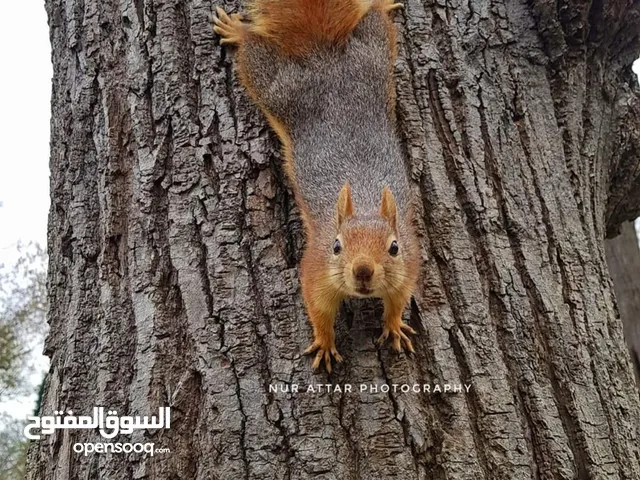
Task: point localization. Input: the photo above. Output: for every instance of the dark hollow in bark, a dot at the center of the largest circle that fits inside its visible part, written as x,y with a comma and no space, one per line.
174,243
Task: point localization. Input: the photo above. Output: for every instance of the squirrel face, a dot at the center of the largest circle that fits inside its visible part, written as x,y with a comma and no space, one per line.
367,254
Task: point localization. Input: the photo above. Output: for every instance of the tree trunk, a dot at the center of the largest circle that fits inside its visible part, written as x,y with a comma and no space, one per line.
623,260
174,242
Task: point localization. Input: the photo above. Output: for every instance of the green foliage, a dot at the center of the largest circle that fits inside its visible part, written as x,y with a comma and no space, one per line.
22,328
10,359
13,449
22,318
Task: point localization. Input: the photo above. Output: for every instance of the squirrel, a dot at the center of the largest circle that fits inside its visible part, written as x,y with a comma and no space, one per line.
322,73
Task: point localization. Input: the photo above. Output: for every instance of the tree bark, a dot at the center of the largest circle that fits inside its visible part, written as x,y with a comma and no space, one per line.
623,260
174,242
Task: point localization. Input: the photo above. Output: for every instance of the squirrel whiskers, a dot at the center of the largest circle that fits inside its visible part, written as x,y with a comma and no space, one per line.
322,73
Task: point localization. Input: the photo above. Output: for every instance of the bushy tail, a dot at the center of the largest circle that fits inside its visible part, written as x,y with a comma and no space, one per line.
297,26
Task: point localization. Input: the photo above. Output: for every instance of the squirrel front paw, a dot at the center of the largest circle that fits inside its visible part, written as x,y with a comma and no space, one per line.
230,27
325,350
398,336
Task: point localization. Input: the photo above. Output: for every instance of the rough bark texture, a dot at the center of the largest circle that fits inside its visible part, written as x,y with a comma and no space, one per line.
174,243
623,260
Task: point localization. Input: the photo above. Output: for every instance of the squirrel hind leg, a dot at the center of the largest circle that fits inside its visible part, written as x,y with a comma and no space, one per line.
231,28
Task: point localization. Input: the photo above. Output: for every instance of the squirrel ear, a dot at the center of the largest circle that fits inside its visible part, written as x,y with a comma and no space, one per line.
345,204
388,208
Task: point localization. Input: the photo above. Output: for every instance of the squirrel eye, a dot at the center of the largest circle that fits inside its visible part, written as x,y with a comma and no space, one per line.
393,249
337,247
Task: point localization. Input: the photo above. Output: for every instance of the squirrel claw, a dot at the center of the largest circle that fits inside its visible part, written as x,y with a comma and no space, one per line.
229,27
388,5
325,353
399,337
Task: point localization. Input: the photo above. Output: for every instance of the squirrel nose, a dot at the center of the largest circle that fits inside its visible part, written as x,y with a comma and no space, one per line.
363,272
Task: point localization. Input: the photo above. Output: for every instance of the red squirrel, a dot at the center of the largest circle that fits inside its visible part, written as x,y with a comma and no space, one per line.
322,73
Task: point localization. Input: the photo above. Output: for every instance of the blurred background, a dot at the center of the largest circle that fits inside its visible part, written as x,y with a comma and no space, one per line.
25,89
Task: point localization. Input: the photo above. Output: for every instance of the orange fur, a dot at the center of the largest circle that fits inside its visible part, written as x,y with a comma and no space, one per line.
322,302
388,208
393,324
345,204
298,26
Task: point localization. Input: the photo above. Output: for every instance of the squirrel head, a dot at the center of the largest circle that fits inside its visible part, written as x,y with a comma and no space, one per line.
369,257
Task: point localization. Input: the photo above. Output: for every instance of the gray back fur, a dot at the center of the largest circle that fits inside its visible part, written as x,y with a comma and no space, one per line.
335,105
